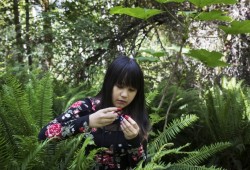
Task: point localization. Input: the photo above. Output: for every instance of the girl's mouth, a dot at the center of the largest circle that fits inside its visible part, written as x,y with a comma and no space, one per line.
121,102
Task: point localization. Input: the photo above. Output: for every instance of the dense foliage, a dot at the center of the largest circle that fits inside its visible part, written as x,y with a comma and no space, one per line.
194,54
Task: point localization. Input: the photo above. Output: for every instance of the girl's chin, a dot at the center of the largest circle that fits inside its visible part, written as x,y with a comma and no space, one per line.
120,105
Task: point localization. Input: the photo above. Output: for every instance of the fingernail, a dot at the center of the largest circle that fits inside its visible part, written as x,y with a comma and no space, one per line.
126,117
119,109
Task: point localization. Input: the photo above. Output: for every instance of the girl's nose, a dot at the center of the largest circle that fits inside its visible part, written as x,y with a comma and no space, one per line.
124,93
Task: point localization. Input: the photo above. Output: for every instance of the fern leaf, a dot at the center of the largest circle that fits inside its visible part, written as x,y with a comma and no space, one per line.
8,145
171,131
158,155
81,160
190,167
196,158
151,166
5,147
27,162
17,107
42,100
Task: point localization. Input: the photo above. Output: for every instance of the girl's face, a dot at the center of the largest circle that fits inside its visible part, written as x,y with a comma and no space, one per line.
122,96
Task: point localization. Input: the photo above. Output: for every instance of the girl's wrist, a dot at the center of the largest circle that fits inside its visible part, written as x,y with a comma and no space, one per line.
91,121
134,142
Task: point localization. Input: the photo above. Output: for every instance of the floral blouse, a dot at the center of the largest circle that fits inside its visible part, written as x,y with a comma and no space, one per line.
120,153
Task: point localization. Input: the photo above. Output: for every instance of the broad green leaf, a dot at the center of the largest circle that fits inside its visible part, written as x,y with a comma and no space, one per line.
137,12
166,1
213,15
187,13
202,3
150,59
178,48
154,53
211,59
2,22
237,27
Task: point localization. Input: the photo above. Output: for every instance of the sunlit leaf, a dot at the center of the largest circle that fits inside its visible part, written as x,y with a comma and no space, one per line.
150,59
166,1
213,15
237,27
177,48
137,12
211,59
154,53
202,3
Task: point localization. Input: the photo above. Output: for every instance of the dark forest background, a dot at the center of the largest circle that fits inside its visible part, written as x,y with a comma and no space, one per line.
195,56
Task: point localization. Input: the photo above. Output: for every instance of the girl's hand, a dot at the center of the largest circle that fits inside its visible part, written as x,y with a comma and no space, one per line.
129,127
103,117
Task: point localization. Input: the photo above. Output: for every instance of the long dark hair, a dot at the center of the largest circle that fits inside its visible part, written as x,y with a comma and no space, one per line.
125,71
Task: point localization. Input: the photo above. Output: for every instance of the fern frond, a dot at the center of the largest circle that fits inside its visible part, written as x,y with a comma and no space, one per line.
8,145
151,166
158,155
225,111
190,167
76,146
26,163
150,96
17,107
196,158
78,93
171,131
81,160
5,147
41,93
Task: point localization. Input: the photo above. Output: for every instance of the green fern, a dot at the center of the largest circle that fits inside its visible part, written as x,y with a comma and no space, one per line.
7,145
27,162
226,112
151,166
171,131
82,161
159,148
17,107
77,93
41,102
18,129
197,157
190,167
162,152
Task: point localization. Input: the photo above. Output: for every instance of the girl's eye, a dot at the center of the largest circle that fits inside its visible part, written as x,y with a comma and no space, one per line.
119,86
132,89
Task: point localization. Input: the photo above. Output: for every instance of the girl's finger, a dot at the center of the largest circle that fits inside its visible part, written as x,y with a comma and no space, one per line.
110,115
125,130
110,109
127,127
131,121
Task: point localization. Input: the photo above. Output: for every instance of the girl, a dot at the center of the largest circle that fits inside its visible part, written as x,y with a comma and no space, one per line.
116,117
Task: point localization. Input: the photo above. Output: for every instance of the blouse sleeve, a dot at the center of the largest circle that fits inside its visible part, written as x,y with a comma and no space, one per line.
137,151
73,121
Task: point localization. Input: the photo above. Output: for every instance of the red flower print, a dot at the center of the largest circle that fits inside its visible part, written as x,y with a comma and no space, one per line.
140,151
134,158
93,106
54,130
81,129
94,103
76,104
76,111
93,130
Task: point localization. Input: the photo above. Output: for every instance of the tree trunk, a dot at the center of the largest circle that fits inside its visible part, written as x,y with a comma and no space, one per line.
27,19
18,28
48,37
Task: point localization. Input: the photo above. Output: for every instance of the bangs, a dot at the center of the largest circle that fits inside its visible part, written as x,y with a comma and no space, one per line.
130,76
